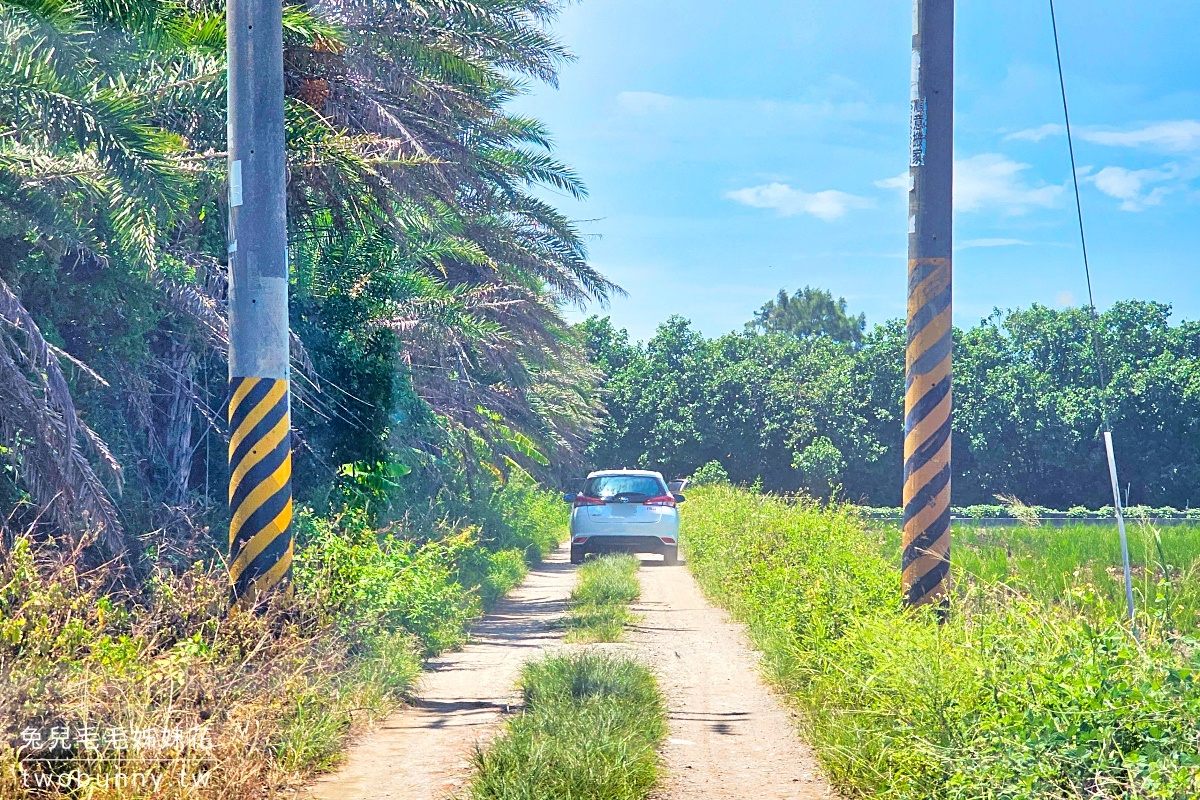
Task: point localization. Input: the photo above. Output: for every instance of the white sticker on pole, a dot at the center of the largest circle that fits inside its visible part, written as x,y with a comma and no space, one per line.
915,76
235,183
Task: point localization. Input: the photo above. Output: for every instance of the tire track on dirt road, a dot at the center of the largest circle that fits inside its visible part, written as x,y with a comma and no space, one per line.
730,738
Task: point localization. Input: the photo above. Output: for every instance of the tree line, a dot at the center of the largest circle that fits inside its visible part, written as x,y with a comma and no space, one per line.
806,399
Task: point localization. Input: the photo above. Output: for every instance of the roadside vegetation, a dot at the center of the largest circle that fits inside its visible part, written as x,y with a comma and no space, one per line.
599,603
589,730
436,383
1014,512
1033,688
192,702
1061,565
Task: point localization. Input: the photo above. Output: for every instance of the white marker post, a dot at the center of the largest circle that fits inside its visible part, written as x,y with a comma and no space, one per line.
1116,488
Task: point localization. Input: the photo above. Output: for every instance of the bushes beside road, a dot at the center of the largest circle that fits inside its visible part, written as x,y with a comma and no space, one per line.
160,685
1014,697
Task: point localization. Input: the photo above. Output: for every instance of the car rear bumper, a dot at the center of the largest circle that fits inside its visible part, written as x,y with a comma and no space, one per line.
623,543
662,522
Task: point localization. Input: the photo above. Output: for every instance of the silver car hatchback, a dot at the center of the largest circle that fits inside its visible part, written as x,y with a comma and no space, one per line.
625,511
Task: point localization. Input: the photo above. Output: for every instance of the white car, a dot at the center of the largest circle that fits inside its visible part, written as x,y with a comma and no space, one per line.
625,511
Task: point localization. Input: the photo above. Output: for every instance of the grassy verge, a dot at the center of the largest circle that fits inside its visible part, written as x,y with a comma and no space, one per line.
590,729
1018,695
163,694
599,602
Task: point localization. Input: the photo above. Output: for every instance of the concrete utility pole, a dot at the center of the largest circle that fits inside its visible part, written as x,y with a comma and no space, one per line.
260,454
927,396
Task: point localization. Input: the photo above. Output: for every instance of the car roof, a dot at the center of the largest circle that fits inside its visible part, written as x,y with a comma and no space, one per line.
644,472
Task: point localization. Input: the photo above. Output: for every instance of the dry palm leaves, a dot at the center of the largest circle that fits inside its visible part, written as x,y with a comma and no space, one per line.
46,437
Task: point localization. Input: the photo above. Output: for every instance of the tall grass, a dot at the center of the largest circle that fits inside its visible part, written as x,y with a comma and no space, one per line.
263,700
1074,561
590,730
521,515
1016,696
1080,566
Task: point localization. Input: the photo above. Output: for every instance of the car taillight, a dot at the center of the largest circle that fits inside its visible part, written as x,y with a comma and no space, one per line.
583,500
663,500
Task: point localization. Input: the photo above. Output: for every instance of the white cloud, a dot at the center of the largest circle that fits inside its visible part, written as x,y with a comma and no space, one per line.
989,180
902,183
1065,298
1037,134
992,180
971,243
1178,136
788,202
1127,185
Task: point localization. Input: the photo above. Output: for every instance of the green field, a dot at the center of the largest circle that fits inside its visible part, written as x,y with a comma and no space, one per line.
1080,566
1033,687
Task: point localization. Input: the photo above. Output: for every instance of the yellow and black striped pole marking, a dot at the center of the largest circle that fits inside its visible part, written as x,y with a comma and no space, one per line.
927,407
927,395
260,458
260,489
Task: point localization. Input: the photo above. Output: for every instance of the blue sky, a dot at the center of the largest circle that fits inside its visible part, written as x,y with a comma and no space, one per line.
735,148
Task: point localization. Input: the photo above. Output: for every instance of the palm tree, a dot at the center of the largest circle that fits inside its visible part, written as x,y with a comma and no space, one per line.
85,178
418,240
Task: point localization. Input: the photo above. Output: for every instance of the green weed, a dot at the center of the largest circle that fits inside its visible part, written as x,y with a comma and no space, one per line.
521,515
590,730
598,603
607,580
1079,566
591,624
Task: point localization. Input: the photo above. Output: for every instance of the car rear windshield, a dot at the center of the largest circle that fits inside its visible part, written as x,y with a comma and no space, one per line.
632,487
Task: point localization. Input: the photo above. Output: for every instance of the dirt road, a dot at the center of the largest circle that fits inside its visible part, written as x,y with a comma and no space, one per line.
729,737
423,752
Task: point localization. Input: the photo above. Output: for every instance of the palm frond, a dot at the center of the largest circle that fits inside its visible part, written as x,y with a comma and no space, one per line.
40,425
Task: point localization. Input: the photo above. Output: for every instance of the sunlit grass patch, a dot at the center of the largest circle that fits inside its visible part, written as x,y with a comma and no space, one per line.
608,579
599,602
590,729
589,624
1079,565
